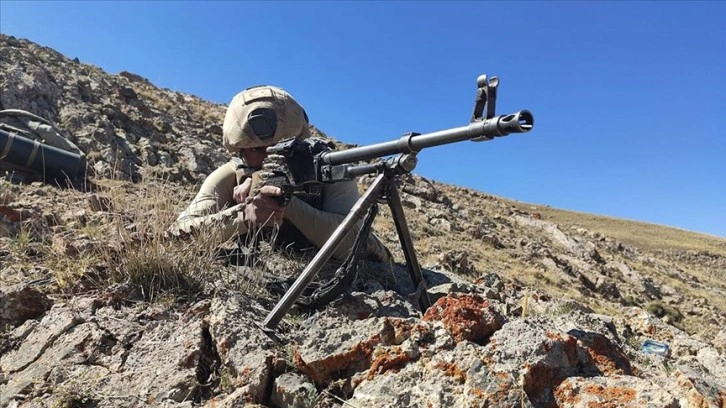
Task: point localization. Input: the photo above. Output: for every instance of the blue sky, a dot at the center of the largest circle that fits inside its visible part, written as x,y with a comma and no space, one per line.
628,97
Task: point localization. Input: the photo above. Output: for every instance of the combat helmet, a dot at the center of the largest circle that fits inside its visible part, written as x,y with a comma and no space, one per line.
261,116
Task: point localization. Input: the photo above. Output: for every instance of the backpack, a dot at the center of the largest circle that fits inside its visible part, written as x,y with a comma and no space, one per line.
34,149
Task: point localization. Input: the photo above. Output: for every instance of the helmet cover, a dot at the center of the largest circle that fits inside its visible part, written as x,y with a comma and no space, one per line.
262,116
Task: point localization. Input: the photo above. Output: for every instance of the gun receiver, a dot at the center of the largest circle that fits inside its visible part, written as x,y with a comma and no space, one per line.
330,166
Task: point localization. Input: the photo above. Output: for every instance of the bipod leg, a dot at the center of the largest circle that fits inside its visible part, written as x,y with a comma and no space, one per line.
356,214
414,269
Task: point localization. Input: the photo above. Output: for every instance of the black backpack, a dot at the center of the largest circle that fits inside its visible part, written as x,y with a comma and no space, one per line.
34,149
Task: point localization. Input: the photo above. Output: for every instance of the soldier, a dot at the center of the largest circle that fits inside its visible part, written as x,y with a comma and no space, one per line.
257,118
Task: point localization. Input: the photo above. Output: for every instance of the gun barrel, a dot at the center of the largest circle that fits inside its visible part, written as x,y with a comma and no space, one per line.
518,122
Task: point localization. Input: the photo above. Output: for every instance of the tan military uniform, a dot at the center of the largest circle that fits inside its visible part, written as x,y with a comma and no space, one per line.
214,207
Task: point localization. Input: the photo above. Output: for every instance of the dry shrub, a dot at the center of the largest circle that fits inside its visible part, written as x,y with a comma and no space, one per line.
141,251
662,310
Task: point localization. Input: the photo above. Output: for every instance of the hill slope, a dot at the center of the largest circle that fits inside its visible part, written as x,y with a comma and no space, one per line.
536,306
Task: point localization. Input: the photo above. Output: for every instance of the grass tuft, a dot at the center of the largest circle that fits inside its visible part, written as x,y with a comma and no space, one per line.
661,310
143,254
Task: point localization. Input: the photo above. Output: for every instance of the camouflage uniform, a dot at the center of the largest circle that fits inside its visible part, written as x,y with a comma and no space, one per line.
304,223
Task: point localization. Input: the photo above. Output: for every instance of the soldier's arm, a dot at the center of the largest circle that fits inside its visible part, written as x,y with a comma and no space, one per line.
214,207
319,225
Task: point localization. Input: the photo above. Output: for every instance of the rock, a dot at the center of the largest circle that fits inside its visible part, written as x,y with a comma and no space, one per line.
720,341
410,201
327,348
618,391
439,291
238,398
643,284
696,391
457,262
246,353
591,252
554,233
148,362
535,354
713,362
33,360
10,214
466,317
491,280
293,391
438,381
521,365
380,303
493,241
127,93
441,224
422,189
558,307
133,77
608,288
20,303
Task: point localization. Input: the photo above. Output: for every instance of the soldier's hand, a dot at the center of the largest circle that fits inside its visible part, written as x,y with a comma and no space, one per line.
264,210
241,191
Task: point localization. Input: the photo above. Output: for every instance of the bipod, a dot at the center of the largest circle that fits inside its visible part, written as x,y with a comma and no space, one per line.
383,188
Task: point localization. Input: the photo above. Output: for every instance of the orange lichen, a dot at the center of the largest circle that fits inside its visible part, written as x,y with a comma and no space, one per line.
569,346
565,394
609,397
243,377
465,317
401,327
608,357
478,395
387,360
321,371
553,336
452,370
540,380
694,396
487,360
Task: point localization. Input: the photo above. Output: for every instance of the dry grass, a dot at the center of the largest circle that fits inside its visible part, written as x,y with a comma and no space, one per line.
643,235
87,248
142,253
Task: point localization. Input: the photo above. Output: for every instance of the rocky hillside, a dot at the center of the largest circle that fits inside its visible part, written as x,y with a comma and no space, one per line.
535,306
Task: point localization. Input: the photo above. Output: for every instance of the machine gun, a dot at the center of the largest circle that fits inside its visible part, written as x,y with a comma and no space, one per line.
331,166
